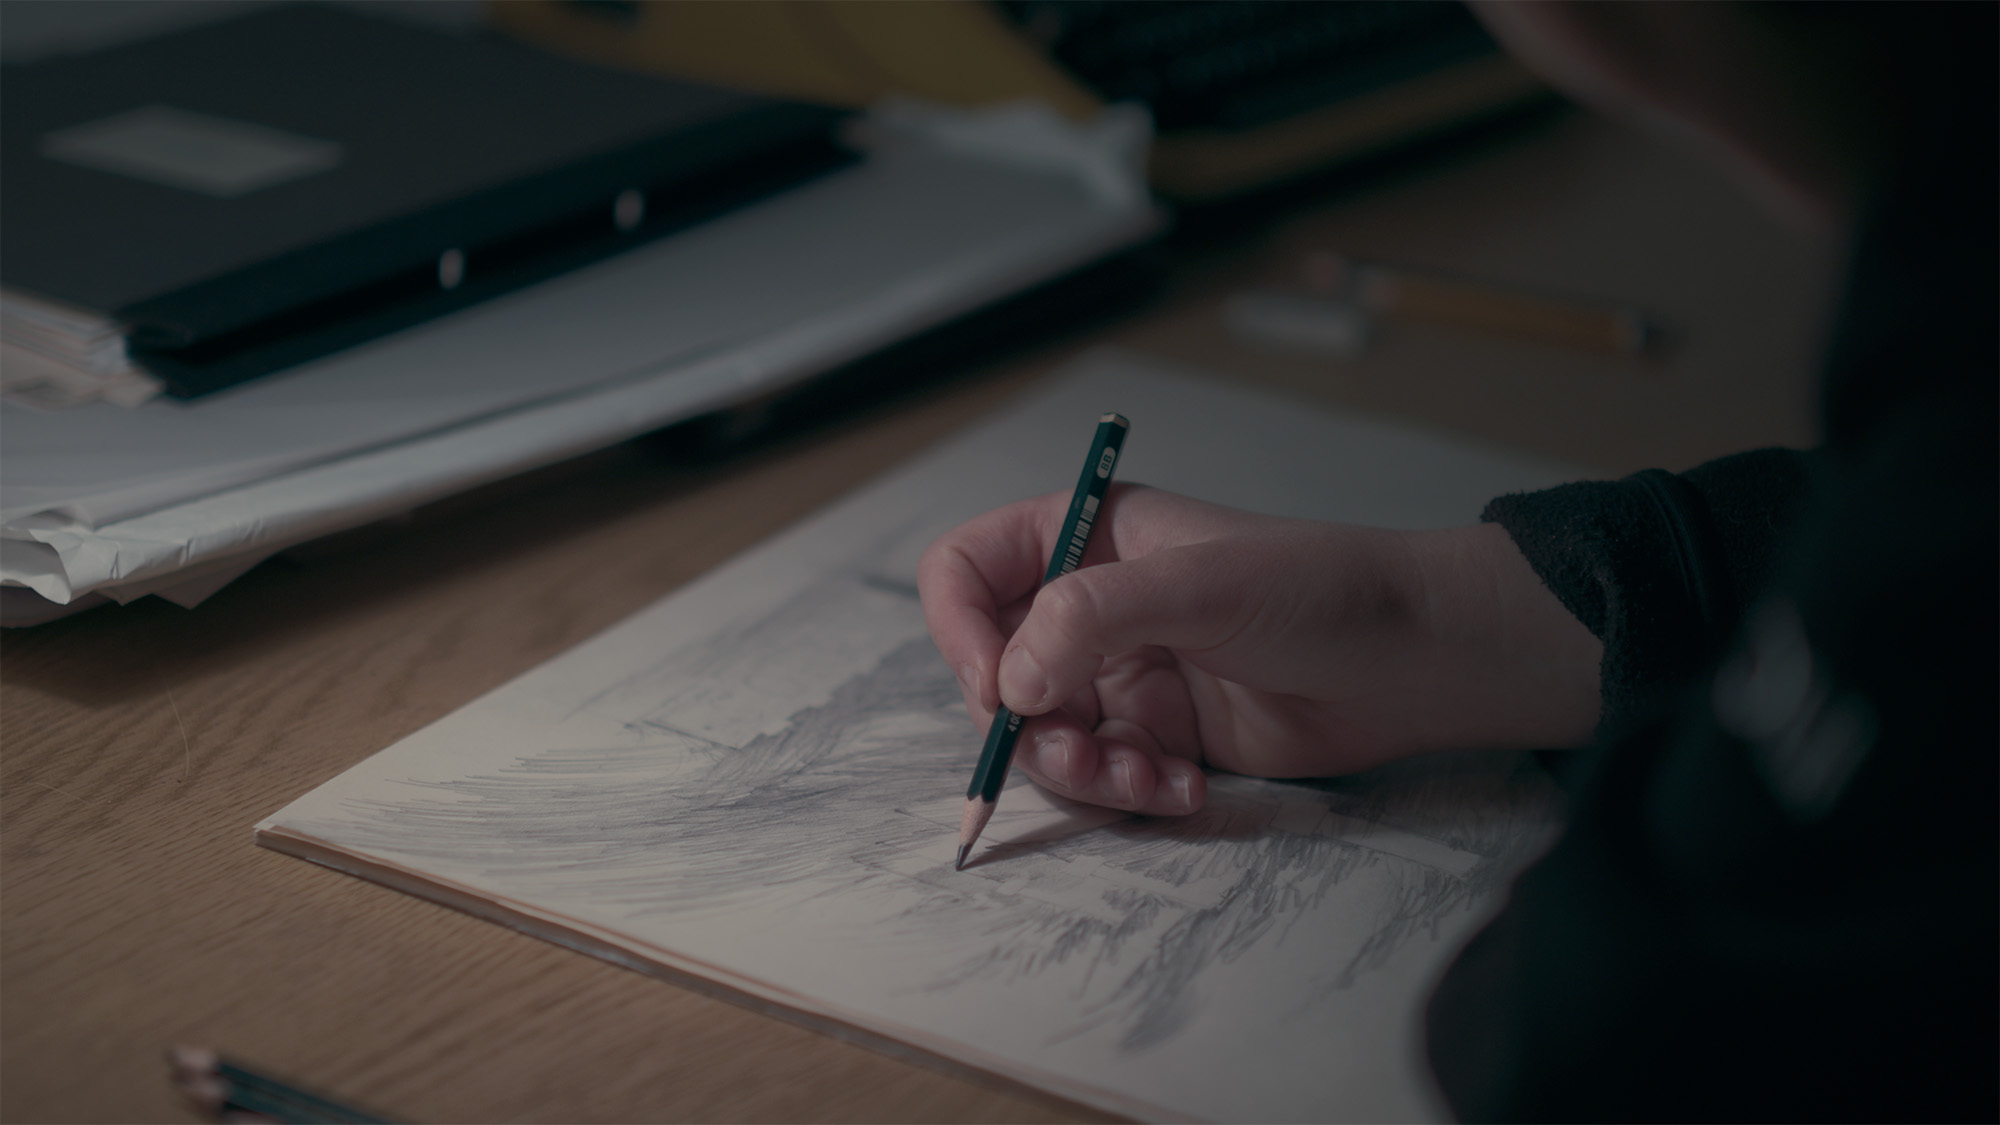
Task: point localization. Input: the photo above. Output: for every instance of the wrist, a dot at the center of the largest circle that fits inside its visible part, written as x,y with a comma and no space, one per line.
1514,668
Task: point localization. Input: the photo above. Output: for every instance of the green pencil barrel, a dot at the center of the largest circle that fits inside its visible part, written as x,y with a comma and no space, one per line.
1091,485
1077,525
994,758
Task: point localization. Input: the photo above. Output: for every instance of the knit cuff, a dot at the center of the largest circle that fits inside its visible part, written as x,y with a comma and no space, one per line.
1660,567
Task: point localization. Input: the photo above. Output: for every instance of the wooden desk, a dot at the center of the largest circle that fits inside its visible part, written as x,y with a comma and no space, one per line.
140,744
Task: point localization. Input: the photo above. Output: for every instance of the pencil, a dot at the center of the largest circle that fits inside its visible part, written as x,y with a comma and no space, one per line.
998,753
1389,291
228,1091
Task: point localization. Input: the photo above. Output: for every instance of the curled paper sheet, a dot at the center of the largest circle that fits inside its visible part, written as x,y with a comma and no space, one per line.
1106,155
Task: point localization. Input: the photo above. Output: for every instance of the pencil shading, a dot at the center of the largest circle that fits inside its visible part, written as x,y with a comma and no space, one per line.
755,781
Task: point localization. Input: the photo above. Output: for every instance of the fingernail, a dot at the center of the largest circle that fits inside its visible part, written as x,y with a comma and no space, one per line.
1121,781
1022,679
1183,794
1052,758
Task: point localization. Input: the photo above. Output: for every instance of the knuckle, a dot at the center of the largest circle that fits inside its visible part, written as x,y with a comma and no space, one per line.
932,558
1070,607
938,567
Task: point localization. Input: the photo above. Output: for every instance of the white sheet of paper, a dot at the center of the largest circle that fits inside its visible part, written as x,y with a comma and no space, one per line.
757,781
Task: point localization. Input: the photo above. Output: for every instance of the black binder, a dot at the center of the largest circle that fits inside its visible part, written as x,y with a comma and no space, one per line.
244,195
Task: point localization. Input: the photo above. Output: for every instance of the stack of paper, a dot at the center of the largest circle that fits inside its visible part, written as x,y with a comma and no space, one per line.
176,499
54,357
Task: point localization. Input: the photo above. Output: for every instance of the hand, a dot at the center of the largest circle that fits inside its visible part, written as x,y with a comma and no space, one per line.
1200,635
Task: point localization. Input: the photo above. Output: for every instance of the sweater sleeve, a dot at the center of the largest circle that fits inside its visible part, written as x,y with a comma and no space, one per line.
1775,895
1774,899
1660,566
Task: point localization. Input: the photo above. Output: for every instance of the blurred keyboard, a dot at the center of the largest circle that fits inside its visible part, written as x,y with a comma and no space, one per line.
1239,64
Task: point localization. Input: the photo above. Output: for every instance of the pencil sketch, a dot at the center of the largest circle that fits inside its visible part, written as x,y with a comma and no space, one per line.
774,787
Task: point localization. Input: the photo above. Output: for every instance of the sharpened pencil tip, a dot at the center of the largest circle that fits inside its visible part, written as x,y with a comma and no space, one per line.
978,811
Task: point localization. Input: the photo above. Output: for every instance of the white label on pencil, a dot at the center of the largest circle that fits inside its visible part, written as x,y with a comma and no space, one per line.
1084,520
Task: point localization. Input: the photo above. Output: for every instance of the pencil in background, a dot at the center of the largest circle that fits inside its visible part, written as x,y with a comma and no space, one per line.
227,1091
1390,291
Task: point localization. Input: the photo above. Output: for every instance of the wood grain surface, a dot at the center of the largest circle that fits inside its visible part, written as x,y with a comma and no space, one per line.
139,744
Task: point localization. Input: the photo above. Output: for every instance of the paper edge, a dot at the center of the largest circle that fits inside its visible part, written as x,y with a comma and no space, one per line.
909,1044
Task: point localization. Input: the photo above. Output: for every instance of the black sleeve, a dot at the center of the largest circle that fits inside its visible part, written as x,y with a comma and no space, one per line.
1778,894
1776,898
1661,567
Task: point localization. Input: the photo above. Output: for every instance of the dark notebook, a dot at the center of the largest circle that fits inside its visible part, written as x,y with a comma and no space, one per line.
248,194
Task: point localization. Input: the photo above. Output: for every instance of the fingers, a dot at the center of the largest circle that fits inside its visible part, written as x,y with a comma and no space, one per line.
970,574
977,580
1183,598
1119,766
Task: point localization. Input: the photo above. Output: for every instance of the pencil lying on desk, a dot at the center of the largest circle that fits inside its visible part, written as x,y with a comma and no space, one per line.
991,774
1391,291
229,1092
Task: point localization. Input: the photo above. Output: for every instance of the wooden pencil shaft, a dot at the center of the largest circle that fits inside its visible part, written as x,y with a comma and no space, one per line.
972,820
998,753
1608,328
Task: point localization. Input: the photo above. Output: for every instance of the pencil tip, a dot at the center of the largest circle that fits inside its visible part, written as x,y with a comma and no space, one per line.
963,851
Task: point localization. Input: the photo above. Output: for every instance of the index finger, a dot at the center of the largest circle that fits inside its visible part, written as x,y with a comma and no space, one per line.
969,573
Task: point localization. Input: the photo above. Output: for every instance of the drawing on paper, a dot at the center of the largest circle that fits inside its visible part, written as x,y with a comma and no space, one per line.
759,779
717,798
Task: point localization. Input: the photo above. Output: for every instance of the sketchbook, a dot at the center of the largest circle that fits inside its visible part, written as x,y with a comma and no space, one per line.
754,786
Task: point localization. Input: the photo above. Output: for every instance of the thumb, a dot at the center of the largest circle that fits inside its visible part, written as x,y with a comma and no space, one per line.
1182,597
